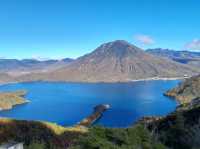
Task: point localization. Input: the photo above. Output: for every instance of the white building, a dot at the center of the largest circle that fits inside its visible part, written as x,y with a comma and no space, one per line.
12,145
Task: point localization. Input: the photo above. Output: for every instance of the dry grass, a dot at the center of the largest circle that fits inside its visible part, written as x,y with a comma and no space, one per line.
57,129
10,99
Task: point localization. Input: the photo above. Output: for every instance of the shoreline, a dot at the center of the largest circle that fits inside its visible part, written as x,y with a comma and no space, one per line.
128,81
160,78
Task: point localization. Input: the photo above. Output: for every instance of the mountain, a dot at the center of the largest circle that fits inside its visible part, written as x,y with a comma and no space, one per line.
18,67
185,57
113,62
186,91
4,78
7,65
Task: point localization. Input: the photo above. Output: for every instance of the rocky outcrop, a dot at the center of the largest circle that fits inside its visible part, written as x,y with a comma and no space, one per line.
186,91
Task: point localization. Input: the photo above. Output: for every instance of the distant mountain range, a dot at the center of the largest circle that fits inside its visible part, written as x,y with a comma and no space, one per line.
185,57
117,61
19,67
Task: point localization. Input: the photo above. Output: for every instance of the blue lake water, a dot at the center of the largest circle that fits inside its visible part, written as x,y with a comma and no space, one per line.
68,103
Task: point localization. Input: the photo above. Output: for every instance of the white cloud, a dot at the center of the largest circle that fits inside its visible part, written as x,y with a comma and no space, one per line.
40,58
144,39
193,45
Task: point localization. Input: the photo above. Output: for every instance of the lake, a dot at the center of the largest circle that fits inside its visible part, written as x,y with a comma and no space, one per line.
68,103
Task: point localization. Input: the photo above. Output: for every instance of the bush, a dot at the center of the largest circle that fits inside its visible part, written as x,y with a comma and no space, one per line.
117,138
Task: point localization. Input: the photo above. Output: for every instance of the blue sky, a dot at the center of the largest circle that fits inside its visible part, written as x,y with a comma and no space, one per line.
71,28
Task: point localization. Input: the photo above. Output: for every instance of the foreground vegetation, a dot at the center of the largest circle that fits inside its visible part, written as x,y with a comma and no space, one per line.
41,135
136,137
49,135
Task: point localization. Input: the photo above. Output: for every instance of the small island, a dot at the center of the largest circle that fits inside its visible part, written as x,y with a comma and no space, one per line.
10,99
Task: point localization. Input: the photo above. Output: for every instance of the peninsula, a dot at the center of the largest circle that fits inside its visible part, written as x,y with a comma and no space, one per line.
10,99
97,113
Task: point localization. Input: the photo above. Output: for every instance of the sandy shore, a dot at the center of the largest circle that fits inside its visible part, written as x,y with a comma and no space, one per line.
159,78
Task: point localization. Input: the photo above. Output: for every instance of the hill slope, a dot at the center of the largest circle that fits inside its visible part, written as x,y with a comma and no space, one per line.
182,124
4,77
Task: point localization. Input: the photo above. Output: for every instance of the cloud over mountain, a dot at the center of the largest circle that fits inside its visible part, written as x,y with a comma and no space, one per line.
144,39
193,45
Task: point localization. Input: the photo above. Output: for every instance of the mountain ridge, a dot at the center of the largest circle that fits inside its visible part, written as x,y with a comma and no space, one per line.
184,57
117,61
26,64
